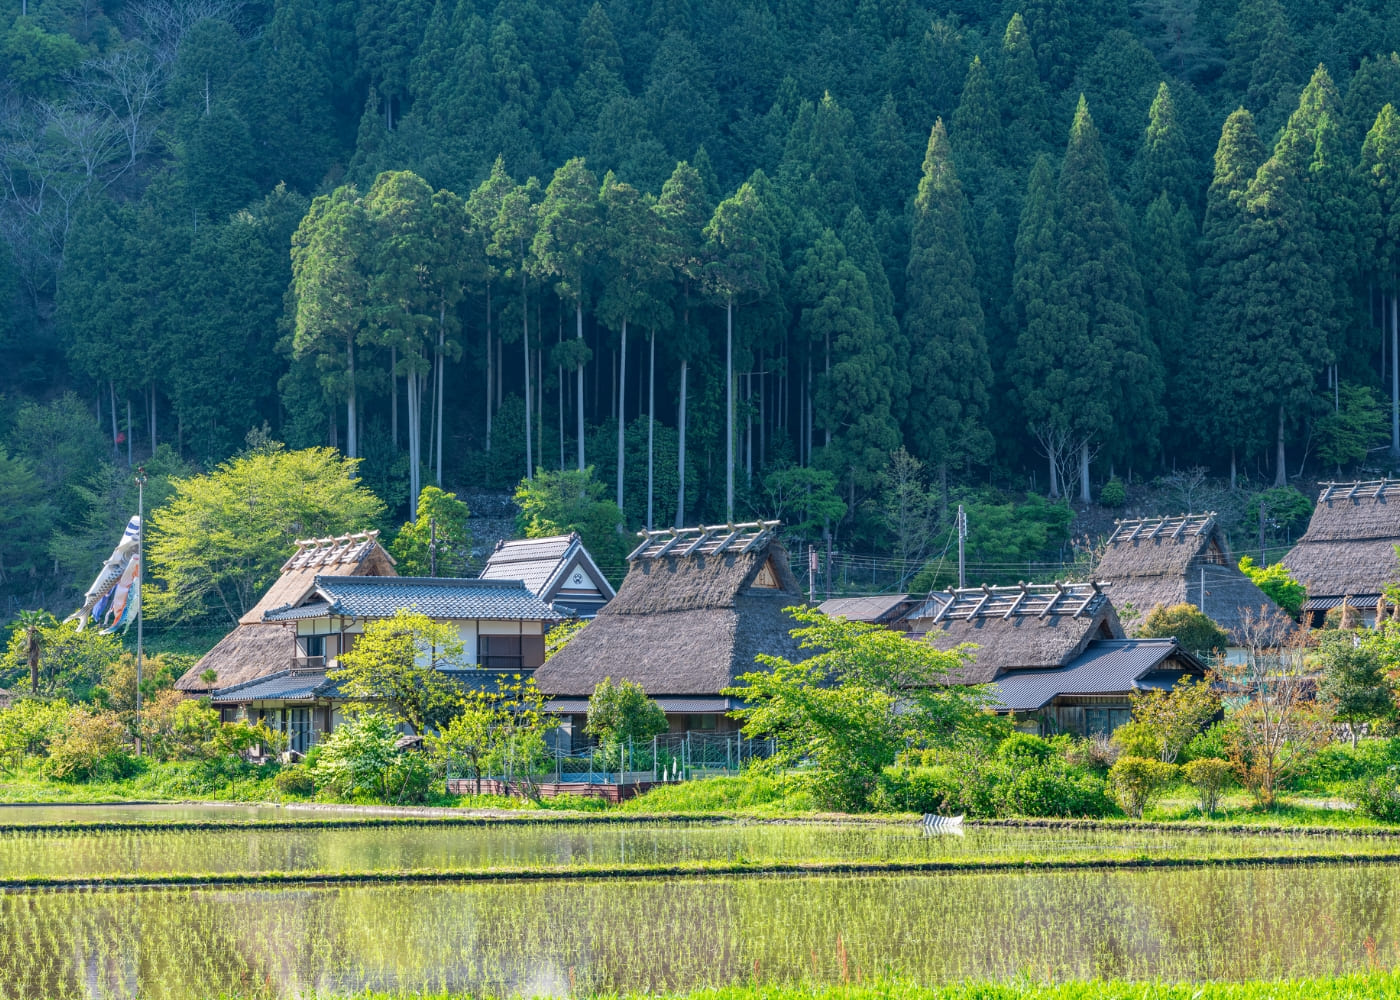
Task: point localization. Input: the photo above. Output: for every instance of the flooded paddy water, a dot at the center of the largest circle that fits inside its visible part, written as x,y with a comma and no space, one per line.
671,933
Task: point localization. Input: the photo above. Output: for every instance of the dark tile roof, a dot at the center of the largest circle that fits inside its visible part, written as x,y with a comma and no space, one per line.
673,706
291,614
1107,666
1367,602
381,597
533,561
307,685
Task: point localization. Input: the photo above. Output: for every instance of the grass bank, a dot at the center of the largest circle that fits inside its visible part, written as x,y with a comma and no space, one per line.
1371,986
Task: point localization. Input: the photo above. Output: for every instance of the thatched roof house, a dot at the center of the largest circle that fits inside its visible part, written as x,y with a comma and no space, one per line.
1178,560
1055,655
697,606
1026,627
557,569
1347,555
258,646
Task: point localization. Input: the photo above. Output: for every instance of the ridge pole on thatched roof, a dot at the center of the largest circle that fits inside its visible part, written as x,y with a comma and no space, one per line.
1019,598
1157,529
1380,492
705,535
1084,605
1352,492
1180,528
1050,604
1132,535
977,609
764,529
952,597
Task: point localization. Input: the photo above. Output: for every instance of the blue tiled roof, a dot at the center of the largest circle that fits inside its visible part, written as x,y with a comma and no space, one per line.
381,596
288,685
1107,666
285,685
288,613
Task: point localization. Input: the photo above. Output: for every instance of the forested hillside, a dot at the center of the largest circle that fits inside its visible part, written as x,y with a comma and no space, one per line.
1038,245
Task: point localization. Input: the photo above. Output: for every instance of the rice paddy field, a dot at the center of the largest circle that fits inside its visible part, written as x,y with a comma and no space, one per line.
432,906
318,848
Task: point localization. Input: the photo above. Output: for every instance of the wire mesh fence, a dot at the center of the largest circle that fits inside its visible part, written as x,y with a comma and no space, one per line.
671,757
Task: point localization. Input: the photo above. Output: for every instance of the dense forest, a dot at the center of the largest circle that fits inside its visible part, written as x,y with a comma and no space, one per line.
838,250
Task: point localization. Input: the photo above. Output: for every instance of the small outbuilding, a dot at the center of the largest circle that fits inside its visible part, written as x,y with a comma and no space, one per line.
696,608
890,610
1347,555
558,570
1161,561
1055,655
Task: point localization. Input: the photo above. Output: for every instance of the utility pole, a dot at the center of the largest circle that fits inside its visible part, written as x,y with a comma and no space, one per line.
140,586
962,547
811,574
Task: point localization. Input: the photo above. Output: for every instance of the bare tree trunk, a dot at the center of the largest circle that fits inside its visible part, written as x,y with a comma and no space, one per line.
153,418
352,439
112,395
1234,479
578,319
394,398
559,372
130,432
1394,376
1281,476
1084,471
489,408
441,364
651,428
729,409
680,457
748,428
1054,474
525,344
621,411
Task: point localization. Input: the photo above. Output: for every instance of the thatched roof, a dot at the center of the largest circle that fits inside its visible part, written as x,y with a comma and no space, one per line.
349,555
689,617
1165,561
1024,627
245,654
1349,547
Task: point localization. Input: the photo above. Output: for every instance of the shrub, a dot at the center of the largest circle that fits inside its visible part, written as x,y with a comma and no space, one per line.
1022,786
1137,739
1378,797
1209,742
1052,789
295,780
94,747
1338,763
28,727
1137,780
356,755
408,778
922,790
1023,748
1113,494
1208,776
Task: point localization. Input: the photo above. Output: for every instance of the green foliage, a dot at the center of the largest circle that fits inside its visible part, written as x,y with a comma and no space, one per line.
836,708
1136,781
558,637
621,713
1008,535
1113,494
557,503
358,760
70,663
1208,776
1354,679
93,746
804,499
220,541
1196,632
1176,716
1278,583
296,780
441,518
1348,433
29,727
397,665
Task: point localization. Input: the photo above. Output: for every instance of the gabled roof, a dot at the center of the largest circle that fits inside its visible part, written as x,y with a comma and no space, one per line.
1349,547
876,609
1023,627
436,597
1166,560
357,554
688,618
312,685
1107,666
545,564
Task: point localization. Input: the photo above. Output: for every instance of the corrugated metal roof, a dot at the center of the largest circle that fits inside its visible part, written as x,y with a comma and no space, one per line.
1107,666
1365,601
675,706
381,597
864,609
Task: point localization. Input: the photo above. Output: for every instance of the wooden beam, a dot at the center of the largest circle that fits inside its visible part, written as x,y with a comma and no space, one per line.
1017,602
675,540
1050,605
977,608
704,536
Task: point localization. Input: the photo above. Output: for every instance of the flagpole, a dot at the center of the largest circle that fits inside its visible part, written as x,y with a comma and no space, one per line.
140,586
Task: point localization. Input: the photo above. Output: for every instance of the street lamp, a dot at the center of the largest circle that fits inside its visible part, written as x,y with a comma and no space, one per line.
140,587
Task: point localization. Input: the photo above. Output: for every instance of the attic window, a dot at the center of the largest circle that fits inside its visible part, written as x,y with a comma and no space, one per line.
767,579
1214,554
